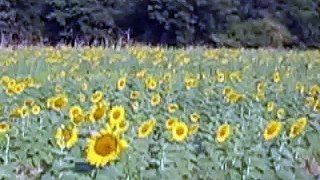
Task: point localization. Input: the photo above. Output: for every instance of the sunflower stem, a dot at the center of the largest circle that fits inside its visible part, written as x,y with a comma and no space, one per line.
23,127
7,150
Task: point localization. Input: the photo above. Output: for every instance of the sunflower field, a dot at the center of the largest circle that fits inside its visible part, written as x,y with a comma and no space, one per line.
159,113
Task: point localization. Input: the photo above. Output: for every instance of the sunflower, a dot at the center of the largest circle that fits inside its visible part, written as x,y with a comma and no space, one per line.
82,98
5,80
76,114
276,77
281,113
155,99
316,106
223,133
314,90
84,86
97,96
116,115
59,102
24,112
170,123
272,130
141,73
310,101
35,110
220,76
58,89
151,83
4,127
270,106
66,137
10,91
193,129
190,82
195,117
227,90
97,113
19,88
146,128
121,83
123,126
179,131
104,148
261,87
28,102
173,108
234,97
298,127
134,95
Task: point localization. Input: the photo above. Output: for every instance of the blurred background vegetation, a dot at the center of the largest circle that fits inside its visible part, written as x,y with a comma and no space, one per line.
230,23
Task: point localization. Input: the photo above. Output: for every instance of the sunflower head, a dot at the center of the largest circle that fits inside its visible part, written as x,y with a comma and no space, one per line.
270,106
104,148
272,130
35,110
173,108
276,77
97,113
76,114
220,76
59,102
97,96
190,82
66,137
195,117
116,115
300,87
179,131
146,128
170,123
134,95
281,113
155,99
4,127
223,133
193,129
121,83
298,127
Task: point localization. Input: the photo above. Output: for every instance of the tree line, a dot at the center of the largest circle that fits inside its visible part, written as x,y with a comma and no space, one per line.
231,23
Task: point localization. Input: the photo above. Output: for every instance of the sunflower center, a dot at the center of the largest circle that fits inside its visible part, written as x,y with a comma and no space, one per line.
222,132
271,130
66,134
121,83
116,115
145,128
98,113
2,126
179,131
105,145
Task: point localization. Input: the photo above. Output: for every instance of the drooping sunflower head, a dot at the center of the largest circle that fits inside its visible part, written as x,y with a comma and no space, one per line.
104,148
298,127
116,115
223,133
97,96
190,82
24,112
134,95
179,131
66,137
151,83
121,83
272,130
4,127
146,128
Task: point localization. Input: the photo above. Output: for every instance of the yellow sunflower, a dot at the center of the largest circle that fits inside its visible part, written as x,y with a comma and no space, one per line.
24,112
190,82
123,126
300,87
316,106
173,108
66,137
97,113
270,106
82,98
146,128
104,148
116,115
298,127
155,99
97,96
220,76
28,102
134,95
272,130
223,133
35,110
195,117
151,83
310,101
19,88
4,127
121,83
84,86
170,123
59,102
276,77
179,131
314,90
76,114
227,90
